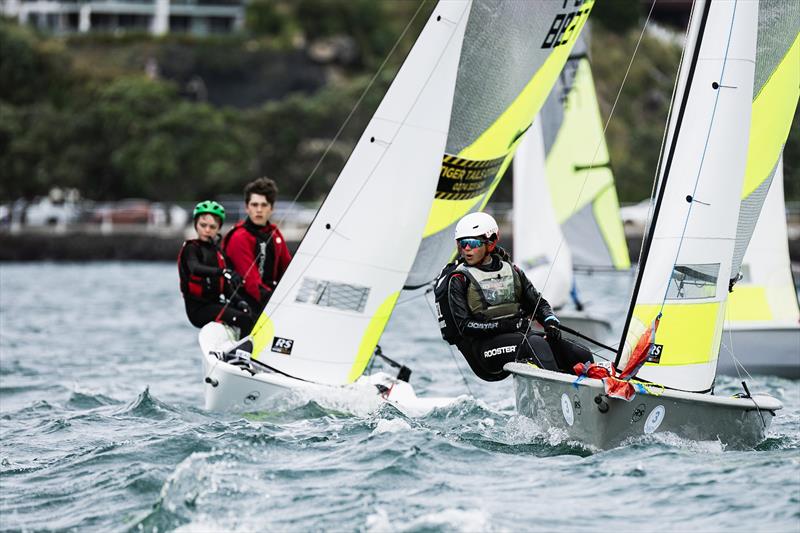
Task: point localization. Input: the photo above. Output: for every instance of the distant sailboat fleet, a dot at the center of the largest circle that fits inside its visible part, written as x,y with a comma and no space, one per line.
471,97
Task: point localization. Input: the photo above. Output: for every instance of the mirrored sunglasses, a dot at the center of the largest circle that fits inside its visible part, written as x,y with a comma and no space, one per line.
471,242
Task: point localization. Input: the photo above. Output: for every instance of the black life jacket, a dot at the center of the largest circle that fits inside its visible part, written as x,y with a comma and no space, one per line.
444,314
200,287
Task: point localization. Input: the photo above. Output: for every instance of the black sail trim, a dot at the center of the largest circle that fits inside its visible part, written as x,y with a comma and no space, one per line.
667,165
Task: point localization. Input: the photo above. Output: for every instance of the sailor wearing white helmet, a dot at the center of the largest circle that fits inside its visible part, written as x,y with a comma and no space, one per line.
485,305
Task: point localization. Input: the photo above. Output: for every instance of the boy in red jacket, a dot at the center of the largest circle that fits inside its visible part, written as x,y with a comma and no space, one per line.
255,247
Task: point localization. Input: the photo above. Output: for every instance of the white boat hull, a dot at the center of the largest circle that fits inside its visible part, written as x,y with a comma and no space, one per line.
231,388
584,412
773,351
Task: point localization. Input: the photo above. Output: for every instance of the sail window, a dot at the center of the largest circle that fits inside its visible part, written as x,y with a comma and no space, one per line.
690,282
332,294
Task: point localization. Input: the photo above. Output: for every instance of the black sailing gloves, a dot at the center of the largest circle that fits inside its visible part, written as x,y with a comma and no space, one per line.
233,277
551,330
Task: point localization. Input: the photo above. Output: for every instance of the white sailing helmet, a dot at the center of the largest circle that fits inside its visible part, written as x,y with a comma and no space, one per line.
477,224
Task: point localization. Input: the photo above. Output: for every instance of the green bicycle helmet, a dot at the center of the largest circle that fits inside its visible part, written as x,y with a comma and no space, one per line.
211,207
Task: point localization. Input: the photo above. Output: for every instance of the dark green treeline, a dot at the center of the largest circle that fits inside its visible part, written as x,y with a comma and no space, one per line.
181,118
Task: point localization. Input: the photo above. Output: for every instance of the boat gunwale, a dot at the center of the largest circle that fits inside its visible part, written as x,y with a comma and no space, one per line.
756,402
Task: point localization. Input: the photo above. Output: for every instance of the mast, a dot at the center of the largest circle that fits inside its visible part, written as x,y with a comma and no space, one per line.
694,42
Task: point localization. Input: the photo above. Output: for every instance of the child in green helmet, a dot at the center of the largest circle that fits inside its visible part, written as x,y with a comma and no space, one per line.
210,289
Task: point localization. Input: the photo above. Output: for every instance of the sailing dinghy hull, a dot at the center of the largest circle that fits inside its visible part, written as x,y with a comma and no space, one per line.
765,351
231,388
557,401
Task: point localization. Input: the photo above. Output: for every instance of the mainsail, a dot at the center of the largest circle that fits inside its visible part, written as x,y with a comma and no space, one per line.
775,94
513,53
565,203
766,297
578,170
468,89
539,247
682,285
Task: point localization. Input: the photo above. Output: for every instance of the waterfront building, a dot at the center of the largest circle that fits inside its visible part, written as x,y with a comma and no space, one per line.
158,17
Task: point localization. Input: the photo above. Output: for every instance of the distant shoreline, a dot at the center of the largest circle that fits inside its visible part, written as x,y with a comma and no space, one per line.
144,245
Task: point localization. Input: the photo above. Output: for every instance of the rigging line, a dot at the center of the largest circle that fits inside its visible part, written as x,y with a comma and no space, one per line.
664,135
730,349
452,353
239,286
412,298
600,142
391,52
374,168
703,156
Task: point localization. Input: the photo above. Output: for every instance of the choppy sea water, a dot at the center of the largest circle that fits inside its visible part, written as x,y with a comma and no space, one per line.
102,428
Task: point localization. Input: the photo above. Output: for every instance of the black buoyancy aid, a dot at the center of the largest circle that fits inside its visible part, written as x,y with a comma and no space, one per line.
441,290
204,288
494,294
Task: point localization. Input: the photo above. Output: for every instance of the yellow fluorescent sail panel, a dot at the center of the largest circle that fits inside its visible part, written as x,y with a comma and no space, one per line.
752,303
580,136
606,212
684,331
263,332
773,109
371,336
502,137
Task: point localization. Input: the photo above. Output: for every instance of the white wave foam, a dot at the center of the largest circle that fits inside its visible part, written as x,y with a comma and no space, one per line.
453,518
674,441
378,522
393,425
450,519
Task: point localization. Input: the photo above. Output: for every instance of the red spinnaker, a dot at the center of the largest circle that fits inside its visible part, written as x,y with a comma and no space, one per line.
641,351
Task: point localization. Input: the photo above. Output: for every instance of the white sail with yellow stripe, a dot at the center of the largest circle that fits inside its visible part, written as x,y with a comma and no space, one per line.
766,298
682,285
578,170
513,53
775,94
332,304
468,89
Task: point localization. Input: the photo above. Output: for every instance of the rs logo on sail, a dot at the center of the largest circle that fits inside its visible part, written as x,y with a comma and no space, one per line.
564,25
281,345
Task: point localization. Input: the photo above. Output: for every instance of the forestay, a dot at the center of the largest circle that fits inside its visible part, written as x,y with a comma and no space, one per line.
775,94
327,313
538,242
513,52
686,262
765,298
